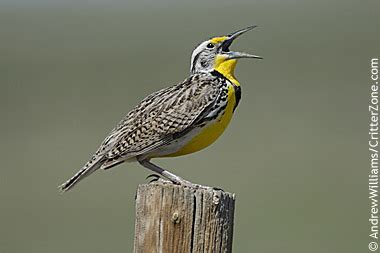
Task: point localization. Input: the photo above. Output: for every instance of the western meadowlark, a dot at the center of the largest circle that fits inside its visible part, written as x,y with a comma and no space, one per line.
177,120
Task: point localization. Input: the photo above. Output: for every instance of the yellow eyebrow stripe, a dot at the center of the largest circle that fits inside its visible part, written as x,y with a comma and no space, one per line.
216,40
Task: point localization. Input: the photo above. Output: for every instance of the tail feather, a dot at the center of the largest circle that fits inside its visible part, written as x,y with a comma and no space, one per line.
90,167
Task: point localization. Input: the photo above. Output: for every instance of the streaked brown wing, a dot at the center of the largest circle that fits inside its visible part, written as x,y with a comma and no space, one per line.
162,117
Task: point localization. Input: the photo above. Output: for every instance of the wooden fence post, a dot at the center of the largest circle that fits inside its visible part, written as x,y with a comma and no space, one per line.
172,218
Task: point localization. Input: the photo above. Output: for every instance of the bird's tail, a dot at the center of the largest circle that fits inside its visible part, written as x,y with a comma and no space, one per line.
86,170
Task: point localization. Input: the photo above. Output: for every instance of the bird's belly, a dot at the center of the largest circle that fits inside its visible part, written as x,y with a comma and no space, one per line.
210,132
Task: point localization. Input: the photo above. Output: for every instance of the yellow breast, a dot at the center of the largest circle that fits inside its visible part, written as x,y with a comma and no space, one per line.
212,131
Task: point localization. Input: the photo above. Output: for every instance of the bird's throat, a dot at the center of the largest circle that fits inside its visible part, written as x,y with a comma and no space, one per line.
227,68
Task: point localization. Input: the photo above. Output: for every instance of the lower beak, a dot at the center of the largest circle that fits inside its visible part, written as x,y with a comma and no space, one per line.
236,55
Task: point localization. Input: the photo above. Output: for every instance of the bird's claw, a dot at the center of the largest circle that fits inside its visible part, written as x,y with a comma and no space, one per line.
153,178
157,178
217,189
200,187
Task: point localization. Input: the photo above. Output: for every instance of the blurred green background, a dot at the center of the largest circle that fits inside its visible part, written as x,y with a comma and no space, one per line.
295,154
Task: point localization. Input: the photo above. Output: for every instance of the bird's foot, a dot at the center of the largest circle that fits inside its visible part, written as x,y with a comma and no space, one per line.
197,186
156,178
152,178
217,189
180,181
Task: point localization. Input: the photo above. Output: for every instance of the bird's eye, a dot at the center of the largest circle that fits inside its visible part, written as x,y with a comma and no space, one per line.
210,45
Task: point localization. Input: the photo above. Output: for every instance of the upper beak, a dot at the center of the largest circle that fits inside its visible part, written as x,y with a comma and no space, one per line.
230,38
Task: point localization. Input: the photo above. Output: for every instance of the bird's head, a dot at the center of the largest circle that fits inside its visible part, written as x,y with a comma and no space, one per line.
215,54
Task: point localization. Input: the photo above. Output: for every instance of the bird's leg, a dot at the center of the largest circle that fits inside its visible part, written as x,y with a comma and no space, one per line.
174,178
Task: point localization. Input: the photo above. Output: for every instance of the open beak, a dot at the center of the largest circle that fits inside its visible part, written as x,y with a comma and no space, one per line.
225,47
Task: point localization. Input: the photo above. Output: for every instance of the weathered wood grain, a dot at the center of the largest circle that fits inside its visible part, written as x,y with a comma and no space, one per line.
172,218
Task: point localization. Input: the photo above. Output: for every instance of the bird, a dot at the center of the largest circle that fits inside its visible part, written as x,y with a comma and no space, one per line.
177,120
